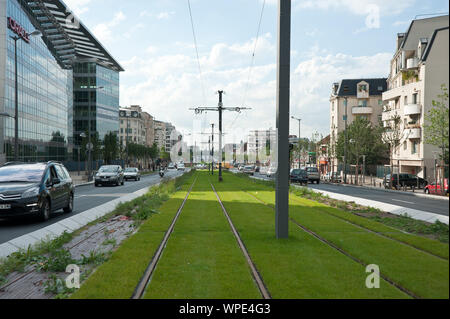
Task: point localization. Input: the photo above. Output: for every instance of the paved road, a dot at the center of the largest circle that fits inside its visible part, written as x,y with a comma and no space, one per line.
86,197
437,206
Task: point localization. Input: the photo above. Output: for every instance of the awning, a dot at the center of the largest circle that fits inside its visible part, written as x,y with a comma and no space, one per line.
67,38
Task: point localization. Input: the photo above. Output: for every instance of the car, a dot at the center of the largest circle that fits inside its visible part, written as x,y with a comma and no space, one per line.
171,166
436,189
332,177
249,169
299,176
181,167
313,174
241,168
110,174
272,171
398,181
36,189
132,173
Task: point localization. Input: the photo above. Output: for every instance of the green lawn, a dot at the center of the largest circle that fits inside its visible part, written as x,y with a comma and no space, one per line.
425,275
202,258
118,277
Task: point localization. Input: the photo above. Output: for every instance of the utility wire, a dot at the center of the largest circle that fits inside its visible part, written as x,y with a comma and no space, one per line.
252,64
196,51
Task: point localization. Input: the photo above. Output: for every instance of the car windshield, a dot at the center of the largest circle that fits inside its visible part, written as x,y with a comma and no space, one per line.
108,169
131,170
22,173
295,172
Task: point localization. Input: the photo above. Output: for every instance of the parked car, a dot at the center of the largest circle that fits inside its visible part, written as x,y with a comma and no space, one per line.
299,176
436,189
400,180
332,177
171,166
181,167
132,173
110,174
249,169
313,174
272,171
241,167
35,190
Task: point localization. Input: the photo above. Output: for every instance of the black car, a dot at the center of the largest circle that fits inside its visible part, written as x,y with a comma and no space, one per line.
110,174
400,180
299,176
35,190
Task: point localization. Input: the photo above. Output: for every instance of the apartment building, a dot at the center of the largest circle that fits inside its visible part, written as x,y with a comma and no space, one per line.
160,134
149,129
418,69
132,126
356,98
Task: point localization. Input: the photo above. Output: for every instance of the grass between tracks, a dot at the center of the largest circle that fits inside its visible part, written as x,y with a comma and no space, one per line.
202,259
118,277
425,275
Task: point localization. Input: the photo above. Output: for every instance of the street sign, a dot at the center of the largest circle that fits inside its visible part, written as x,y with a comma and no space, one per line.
89,146
344,117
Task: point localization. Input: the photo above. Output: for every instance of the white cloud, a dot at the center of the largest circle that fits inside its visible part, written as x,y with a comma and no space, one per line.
167,86
103,30
164,15
78,6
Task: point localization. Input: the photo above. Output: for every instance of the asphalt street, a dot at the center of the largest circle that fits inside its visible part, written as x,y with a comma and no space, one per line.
86,197
437,206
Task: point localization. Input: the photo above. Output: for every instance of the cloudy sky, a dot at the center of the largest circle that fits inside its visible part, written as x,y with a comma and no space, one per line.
331,40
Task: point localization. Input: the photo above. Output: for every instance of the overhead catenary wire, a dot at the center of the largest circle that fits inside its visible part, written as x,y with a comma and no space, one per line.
196,51
252,64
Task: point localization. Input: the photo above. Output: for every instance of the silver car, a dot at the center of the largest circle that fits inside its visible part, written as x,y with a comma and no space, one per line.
132,173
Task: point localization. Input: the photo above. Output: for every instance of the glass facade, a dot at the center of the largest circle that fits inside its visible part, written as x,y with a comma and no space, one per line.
96,88
44,95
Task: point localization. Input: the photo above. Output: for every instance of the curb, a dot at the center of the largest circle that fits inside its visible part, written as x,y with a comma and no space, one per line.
70,224
389,208
393,191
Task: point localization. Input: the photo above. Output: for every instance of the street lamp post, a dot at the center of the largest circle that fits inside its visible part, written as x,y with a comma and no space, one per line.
16,94
90,145
346,137
299,145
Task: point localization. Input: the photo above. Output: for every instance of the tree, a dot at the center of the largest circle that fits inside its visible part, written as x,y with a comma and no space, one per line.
110,147
437,128
393,135
364,139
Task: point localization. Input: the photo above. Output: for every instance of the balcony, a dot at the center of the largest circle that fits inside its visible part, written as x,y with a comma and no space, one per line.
413,133
413,109
357,110
412,63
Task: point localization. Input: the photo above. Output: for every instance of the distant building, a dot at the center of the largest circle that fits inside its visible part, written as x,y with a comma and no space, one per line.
418,69
364,99
132,129
160,134
149,129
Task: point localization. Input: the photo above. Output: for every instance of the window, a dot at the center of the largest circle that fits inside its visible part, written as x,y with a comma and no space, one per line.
414,148
405,145
380,102
362,103
414,98
380,88
406,100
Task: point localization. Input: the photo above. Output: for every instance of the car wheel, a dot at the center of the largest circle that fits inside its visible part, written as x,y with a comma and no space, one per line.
318,182
123,182
45,210
96,185
69,207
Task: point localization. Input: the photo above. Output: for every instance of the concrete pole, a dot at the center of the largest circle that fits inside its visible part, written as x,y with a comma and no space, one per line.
220,135
212,149
283,90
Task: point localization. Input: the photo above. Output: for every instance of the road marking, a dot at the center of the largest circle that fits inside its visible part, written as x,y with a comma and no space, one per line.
402,201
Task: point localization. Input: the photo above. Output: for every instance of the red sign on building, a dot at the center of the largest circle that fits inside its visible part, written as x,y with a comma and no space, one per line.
17,28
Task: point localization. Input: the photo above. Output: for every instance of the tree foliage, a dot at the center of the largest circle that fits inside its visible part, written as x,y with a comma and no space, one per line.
364,138
437,124
110,147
